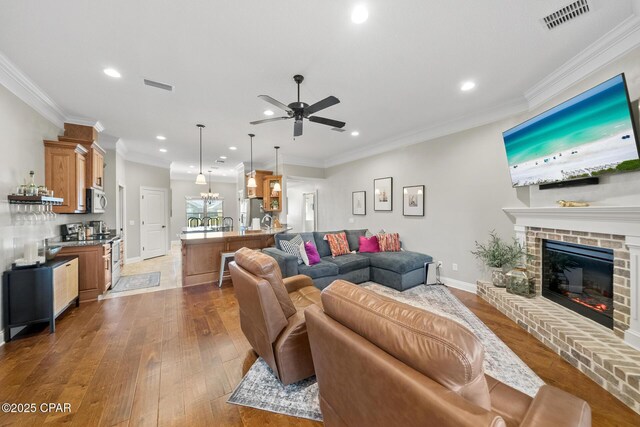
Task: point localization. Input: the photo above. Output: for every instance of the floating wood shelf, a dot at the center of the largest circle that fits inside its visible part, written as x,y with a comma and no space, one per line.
34,200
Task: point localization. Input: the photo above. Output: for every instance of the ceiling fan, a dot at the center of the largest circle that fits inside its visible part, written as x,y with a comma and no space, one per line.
301,110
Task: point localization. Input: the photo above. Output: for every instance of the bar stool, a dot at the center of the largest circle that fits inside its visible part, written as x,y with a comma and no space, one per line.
224,256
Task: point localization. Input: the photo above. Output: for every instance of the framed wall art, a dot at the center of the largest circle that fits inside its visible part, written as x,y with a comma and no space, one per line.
359,203
413,200
383,194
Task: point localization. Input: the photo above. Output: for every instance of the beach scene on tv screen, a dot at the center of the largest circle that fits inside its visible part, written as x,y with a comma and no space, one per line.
588,135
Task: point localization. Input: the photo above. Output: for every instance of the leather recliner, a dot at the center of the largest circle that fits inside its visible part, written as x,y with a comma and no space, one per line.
382,363
271,313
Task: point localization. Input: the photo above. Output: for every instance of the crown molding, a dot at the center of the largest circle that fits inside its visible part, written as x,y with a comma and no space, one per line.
25,89
620,40
84,121
145,159
447,127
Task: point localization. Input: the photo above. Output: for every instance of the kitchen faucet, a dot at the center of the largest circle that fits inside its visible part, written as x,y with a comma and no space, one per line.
267,217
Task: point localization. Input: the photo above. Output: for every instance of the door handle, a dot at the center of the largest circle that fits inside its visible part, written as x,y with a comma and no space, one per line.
164,226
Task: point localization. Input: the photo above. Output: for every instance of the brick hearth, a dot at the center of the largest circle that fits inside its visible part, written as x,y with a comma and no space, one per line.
590,347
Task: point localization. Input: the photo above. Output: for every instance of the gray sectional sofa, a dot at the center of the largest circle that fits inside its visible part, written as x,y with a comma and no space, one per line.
399,270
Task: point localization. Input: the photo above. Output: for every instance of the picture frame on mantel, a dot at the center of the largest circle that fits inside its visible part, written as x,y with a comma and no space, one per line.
413,200
383,194
359,203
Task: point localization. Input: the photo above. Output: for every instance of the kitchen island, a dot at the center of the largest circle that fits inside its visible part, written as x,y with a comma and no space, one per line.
201,251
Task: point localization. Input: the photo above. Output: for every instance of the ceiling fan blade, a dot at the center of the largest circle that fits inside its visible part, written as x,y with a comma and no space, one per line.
328,122
275,119
277,103
297,128
321,105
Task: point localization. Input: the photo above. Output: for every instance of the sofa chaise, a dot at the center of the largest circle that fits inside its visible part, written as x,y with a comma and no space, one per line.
399,270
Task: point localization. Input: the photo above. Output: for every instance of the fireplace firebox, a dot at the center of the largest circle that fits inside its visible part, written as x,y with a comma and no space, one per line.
579,278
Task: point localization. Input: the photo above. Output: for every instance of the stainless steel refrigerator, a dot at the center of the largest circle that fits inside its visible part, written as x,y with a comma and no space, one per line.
249,209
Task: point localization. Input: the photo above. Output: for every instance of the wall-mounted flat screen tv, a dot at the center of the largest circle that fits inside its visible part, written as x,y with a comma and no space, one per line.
588,135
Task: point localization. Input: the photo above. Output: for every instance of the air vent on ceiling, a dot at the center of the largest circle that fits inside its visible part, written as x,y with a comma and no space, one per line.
219,161
566,14
339,130
159,85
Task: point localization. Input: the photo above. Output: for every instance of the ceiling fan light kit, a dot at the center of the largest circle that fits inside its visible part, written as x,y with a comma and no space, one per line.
300,110
200,179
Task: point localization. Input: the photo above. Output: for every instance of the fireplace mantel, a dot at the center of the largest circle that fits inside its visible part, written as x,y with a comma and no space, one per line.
621,220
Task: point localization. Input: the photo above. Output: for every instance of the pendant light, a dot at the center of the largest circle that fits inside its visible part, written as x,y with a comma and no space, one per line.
252,180
209,197
276,186
200,179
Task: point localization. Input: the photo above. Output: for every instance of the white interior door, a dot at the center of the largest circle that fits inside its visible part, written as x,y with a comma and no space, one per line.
153,220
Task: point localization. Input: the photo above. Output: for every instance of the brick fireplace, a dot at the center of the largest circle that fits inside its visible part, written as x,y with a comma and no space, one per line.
609,356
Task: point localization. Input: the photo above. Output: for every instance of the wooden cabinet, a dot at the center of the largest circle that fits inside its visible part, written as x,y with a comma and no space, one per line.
65,285
97,170
259,190
272,200
94,269
65,174
95,161
106,256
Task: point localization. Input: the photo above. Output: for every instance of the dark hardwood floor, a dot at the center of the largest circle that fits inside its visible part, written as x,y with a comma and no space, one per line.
173,357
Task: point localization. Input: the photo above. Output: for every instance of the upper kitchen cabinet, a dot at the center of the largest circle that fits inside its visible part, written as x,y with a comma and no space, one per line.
65,170
86,136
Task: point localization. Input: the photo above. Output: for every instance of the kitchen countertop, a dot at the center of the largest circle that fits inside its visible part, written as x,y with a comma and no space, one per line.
58,261
90,242
189,236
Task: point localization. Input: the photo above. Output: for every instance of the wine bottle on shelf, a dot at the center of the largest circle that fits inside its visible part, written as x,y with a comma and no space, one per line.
32,190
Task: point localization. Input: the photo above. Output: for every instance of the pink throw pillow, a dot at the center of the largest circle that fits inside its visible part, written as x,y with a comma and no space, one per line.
312,253
369,244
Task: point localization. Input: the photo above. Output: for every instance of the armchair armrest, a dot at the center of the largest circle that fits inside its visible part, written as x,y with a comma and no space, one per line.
288,263
554,407
296,282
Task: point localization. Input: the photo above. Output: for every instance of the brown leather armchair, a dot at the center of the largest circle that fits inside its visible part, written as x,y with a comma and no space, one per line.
382,363
271,313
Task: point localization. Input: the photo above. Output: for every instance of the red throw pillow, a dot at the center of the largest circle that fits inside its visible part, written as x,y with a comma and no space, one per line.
338,244
369,244
389,242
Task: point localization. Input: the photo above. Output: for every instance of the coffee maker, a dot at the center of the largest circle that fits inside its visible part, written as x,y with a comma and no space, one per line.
70,232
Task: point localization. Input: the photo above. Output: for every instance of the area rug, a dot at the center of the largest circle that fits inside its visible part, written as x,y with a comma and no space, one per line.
137,281
261,389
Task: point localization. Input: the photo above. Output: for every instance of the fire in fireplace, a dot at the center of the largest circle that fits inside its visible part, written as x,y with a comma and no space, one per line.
579,278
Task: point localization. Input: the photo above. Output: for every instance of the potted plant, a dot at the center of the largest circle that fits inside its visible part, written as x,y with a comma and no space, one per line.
500,256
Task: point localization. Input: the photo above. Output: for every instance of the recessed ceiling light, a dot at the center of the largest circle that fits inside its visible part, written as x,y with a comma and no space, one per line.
191,166
355,133
359,14
163,150
467,86
233,148
188,171
268,113
112,72
161,138
223,157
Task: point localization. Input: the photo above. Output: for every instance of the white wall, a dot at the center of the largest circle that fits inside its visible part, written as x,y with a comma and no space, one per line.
467,184
139,175
181,189
23,130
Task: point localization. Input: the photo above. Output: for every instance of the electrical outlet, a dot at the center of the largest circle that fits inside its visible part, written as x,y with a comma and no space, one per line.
352,220
132,222
439,264
454,266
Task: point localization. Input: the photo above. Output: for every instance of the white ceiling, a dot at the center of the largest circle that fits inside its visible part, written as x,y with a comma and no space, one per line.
397,73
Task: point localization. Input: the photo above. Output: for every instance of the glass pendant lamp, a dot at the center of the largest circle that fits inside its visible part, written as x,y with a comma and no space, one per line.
200,179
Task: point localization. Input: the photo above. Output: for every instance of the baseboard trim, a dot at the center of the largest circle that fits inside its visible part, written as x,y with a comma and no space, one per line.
459,284
2,339
132,260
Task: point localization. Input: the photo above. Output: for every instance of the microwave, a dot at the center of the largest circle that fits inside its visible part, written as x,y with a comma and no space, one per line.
96,201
